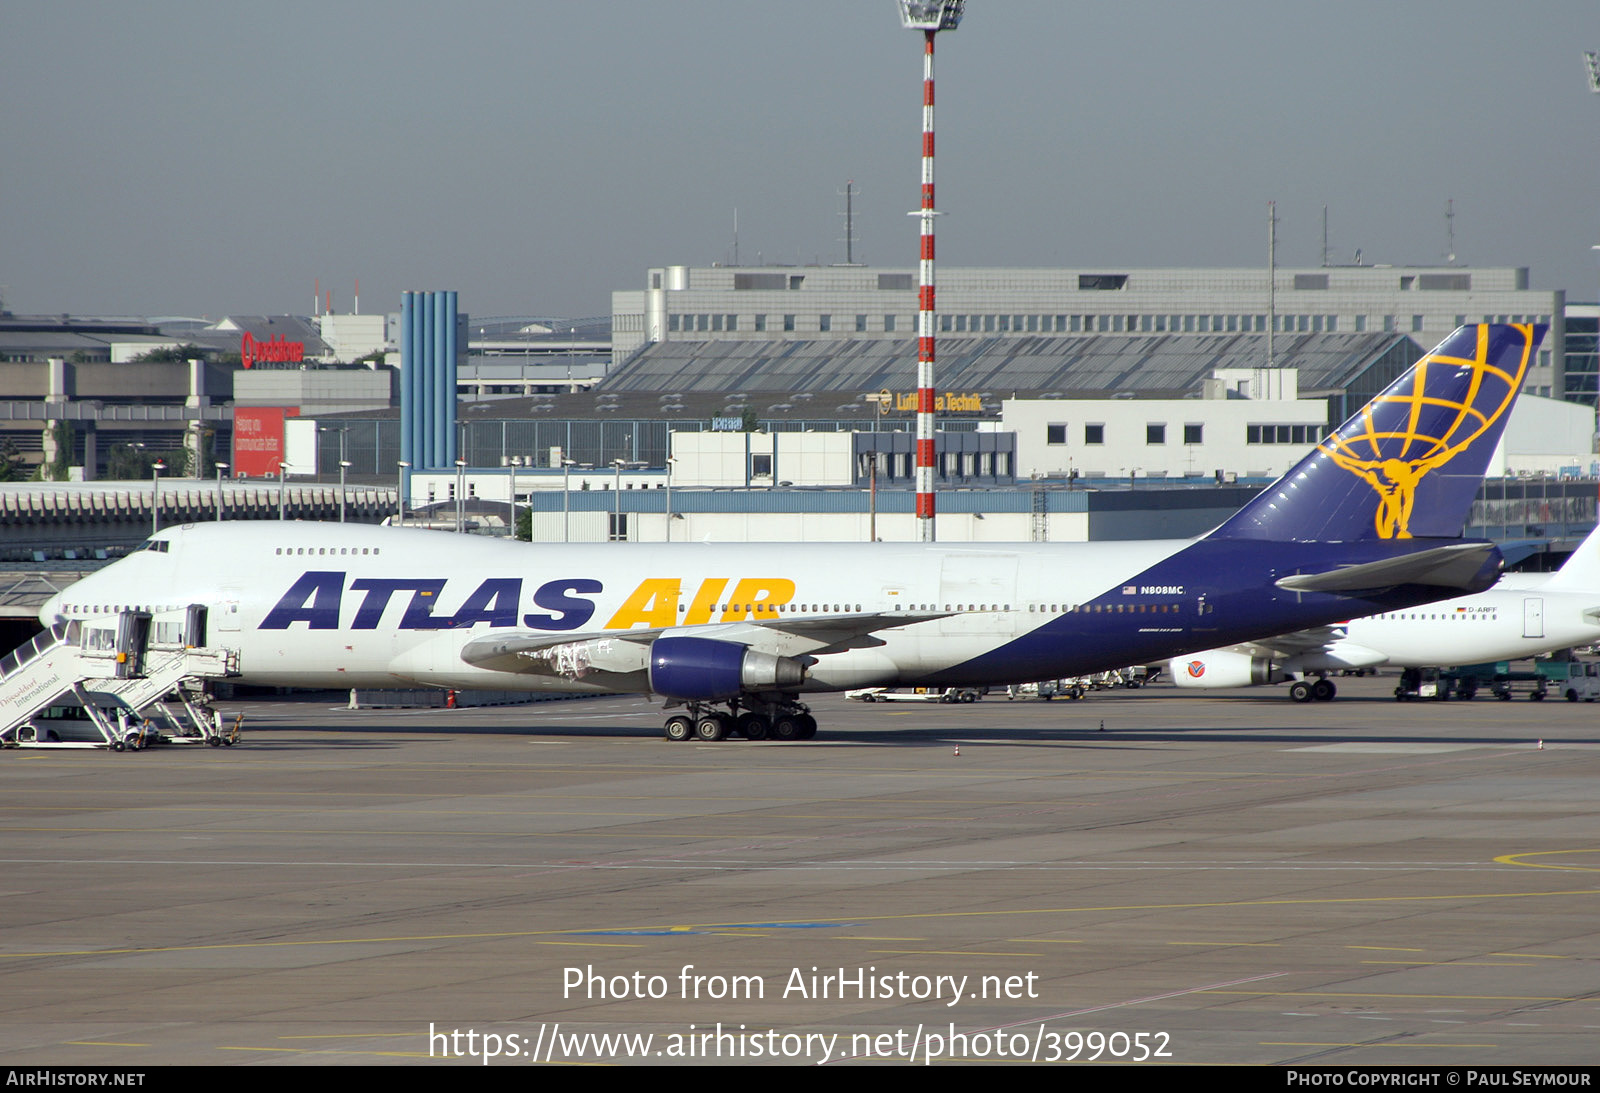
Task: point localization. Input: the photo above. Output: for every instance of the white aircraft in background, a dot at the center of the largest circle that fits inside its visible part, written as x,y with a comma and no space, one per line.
1524,615
1368,522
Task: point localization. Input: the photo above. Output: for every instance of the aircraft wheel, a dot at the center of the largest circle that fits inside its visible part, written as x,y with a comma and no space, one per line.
786,727
753,726
808,727
679,727
710,728
1323,690
1300,691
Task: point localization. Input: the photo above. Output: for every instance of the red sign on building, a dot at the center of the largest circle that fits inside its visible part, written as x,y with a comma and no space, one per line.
258,439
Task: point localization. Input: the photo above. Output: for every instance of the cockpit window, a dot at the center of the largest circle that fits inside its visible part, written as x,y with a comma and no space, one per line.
160,546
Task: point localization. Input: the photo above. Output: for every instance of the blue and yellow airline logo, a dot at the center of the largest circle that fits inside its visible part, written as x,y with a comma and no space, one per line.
323,600
1413,429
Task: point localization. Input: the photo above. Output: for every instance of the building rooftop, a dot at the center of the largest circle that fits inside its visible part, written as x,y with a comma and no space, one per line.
1076,366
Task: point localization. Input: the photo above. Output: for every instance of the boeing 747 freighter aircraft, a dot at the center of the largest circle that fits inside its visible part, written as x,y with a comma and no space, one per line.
732,636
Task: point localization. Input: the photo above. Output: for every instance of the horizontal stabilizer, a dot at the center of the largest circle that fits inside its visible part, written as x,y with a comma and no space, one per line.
1458,565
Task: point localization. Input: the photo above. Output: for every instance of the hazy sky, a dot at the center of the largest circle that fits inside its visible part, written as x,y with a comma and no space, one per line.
189,157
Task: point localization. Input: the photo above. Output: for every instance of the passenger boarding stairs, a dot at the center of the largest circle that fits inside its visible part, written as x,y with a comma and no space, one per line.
120,671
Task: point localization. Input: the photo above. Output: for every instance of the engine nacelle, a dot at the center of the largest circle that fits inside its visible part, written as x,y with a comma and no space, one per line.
1223,668
708,670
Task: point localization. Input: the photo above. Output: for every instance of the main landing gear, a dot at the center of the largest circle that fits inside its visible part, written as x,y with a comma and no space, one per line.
1309,690
748,717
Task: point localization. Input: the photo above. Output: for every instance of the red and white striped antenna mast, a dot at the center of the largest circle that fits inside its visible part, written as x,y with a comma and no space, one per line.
929,17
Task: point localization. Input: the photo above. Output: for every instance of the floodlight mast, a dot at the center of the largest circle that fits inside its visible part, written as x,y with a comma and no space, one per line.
929,17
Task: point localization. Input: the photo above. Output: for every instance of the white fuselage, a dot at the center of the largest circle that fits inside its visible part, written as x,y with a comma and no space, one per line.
379,606
1501,624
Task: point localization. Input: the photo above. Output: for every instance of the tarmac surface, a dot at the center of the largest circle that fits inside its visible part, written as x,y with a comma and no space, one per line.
1230,878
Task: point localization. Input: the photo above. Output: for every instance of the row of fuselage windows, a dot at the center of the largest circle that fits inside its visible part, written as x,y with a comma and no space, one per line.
1210,323
1039,608
1435,616
328,550
97,610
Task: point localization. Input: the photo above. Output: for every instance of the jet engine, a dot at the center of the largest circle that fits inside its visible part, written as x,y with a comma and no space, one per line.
708,670
1224,668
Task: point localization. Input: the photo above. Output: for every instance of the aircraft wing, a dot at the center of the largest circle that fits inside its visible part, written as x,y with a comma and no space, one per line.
1453,566
545,653
1318,639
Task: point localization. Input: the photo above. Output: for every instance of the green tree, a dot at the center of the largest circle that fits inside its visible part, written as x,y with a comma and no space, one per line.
12,466
126,463
57,469
172,354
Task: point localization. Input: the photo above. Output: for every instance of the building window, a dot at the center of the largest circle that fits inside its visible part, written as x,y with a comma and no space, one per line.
888,323
1101,282
1155,433
1416,324
788,323
672,324
761,322
1055,434
1094,434
861,324
617,530
824,323
743,282
761,465
1194,434
1281,434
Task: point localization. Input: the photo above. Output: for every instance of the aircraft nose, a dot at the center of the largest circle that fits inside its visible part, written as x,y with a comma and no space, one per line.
50,613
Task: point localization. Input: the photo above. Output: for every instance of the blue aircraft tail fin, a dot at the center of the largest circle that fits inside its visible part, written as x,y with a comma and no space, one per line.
1410,462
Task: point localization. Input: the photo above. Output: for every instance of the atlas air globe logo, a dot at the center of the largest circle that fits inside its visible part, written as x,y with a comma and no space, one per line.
1414,428
1197,668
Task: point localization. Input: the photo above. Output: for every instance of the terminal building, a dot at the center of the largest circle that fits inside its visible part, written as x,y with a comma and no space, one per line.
834,304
